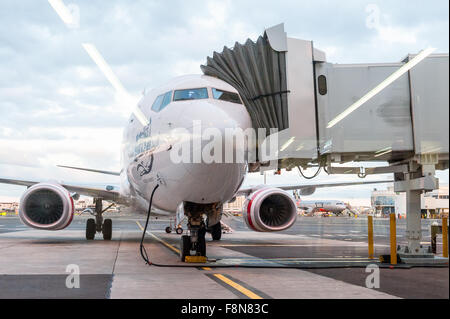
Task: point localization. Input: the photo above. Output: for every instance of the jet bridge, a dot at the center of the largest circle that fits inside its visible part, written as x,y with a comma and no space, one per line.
327,113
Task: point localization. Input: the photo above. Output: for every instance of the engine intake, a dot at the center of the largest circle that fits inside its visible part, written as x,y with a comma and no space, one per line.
46,206
269,209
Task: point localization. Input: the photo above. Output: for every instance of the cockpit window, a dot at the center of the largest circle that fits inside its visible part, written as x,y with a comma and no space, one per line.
157,103
190,94
162,101
166,100
226,96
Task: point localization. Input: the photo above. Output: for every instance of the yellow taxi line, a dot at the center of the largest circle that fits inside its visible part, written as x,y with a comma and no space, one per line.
226,280
159,239
238,287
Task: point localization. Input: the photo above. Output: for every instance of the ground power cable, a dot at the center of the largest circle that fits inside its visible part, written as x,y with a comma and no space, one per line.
145,256
309,177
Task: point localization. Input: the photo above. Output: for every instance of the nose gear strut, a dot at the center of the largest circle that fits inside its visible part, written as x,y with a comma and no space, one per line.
194,244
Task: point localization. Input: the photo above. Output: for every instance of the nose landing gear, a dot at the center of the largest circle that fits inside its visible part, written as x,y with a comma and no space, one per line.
194,244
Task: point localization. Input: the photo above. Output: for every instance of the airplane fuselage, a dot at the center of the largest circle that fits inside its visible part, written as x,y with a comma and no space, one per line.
334,206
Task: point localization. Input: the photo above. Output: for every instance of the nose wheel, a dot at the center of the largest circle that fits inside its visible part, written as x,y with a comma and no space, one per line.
193,244
216,231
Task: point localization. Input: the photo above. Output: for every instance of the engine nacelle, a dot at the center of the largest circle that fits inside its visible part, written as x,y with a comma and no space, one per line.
269,209
46,206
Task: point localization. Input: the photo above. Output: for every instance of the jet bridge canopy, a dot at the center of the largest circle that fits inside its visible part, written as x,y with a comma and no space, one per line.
258,72
287,84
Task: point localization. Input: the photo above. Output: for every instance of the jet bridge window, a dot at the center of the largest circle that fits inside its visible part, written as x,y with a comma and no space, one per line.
162,101
322,84
226,96
190,94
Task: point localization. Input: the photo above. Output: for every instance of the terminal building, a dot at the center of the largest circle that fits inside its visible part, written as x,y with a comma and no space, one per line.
10,207
235,206
434,204
383,201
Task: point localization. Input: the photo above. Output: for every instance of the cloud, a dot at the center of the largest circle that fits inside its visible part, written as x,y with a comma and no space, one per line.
57,107
392,34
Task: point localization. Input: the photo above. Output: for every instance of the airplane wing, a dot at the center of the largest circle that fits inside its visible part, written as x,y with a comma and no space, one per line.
108,192
306,189
91,170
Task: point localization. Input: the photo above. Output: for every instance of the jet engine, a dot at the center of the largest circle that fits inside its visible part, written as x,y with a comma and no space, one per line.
269,209
46,206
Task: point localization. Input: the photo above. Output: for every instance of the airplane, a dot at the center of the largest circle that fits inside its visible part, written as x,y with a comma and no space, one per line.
333,206
190,189
318,205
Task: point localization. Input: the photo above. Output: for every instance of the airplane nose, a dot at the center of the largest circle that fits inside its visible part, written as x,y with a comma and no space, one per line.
216,130
222,115
215,170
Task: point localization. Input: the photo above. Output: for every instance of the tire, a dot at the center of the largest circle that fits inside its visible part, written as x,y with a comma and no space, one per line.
185,247
201,244
168,229
208,229
179,230
90,229
107,229
216,231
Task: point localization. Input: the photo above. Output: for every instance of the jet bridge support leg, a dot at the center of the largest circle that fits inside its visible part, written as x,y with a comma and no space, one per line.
419,178
413,221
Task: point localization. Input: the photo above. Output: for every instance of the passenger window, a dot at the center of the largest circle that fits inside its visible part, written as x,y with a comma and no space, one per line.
226,96
157,104
190,94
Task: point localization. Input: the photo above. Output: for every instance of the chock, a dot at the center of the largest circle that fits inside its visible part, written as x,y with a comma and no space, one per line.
195,259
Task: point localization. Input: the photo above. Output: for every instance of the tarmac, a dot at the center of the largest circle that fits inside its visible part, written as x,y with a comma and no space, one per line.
316,258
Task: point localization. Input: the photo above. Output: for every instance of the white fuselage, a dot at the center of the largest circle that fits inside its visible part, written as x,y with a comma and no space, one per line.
146,150
334,206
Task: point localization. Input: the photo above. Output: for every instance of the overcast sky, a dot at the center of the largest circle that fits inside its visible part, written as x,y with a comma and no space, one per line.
56,107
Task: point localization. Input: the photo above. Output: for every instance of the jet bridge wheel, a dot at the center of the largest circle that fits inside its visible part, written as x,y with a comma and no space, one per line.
107,229
90,229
